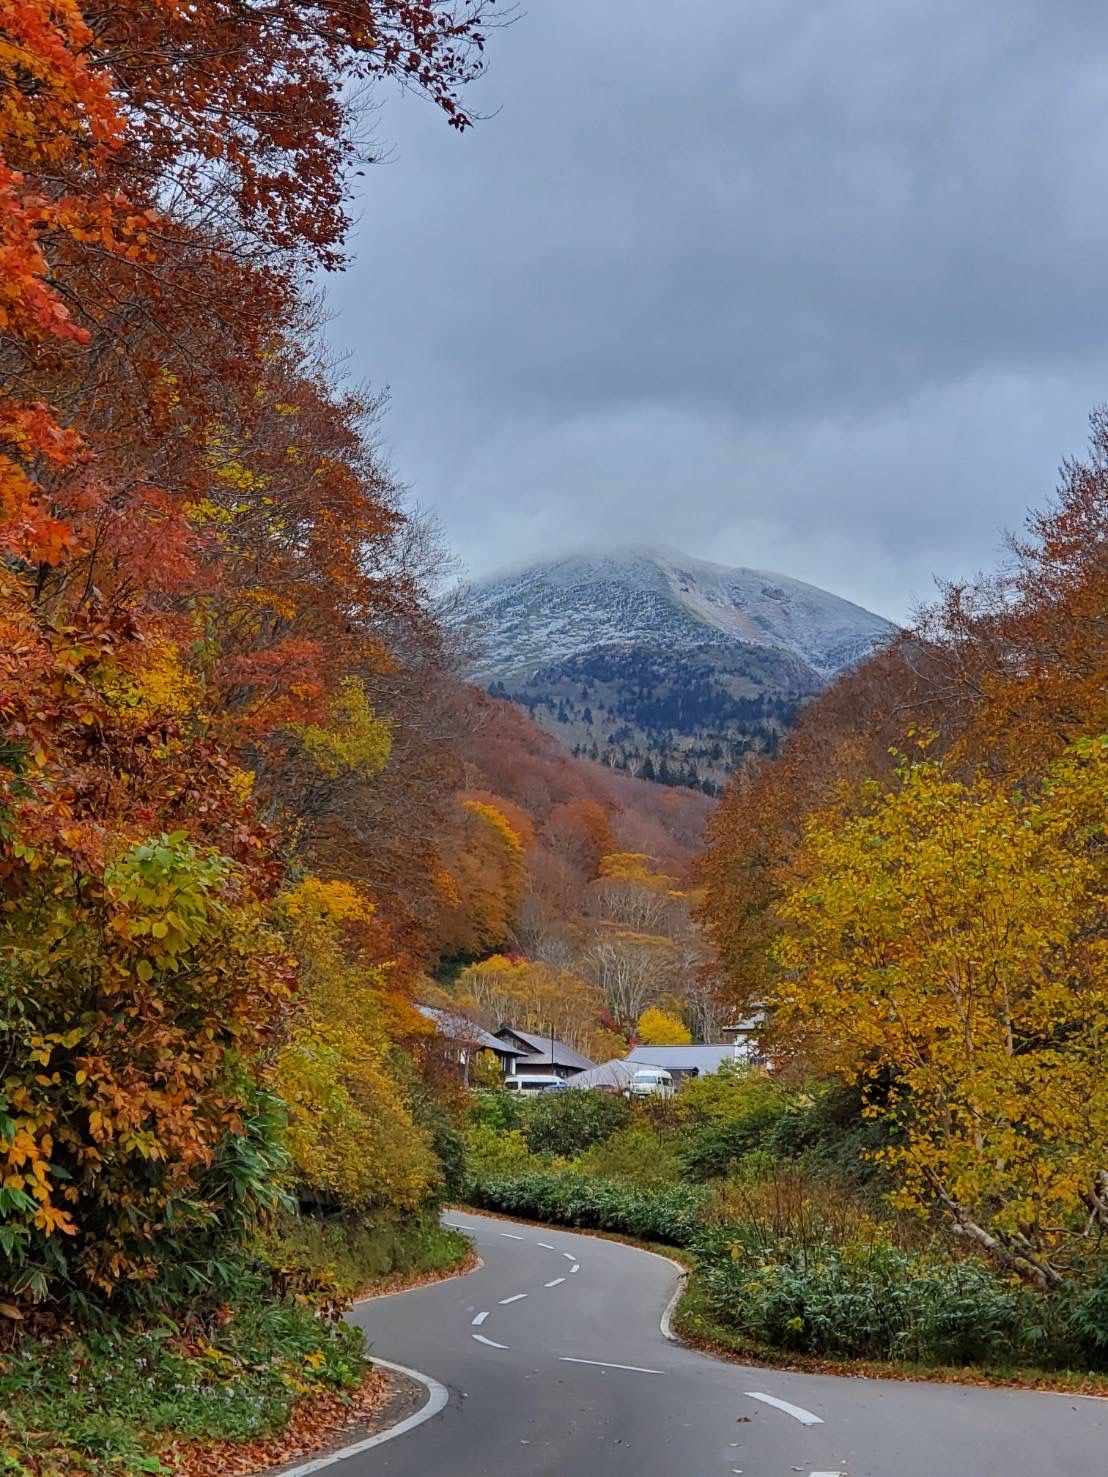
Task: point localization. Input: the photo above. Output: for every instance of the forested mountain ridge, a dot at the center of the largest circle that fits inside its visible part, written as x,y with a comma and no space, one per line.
669,667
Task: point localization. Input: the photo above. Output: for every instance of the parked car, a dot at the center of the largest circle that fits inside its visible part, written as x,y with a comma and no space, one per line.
651,1082
537,1082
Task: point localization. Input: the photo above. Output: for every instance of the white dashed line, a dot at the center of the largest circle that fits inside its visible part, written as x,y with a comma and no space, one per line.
480,1319
451,1226
509,1237
826,1474
481,1339
556,1283
546,1246
516,1296
603,1364
576,1267
798,1413
568,1255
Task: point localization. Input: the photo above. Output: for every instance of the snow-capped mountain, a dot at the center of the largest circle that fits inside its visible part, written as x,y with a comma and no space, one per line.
527,618
645,649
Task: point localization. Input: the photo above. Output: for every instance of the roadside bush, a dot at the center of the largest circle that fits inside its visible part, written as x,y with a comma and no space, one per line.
637,1155
734,1094
825,1130
711,1153
336,1257
669,1215
496,1109
491,1152
567,1123
874,1301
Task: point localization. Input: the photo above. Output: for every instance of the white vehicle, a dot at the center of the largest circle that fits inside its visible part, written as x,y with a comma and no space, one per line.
539,1082
651,1082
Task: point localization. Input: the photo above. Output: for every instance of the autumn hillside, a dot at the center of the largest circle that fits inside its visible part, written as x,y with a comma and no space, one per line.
594,925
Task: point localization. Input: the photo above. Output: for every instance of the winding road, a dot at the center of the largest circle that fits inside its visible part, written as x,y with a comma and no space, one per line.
556,1366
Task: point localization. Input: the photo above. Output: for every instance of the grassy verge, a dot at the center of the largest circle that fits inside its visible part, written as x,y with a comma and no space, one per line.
113,1401
360,1258
119,1401
694,1323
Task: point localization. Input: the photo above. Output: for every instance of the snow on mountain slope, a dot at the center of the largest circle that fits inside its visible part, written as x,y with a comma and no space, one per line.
531,618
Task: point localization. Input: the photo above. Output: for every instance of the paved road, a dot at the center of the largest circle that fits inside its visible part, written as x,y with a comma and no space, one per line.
546,1395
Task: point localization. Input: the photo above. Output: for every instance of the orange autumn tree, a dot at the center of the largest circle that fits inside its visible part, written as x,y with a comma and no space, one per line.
180,626
140,976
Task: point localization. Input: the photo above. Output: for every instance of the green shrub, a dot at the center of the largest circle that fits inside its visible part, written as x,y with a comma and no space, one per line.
497,1109
346,1255
711,1153
874,1301
446,1141
826,1131
491,1152
637,1155
669,1215
567,1123
733,1094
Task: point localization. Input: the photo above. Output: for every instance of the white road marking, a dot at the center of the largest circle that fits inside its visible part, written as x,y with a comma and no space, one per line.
453,1227
568,1255
604,1364
437,1397
826,1474
556,1283
480,1319
513,1299
509,1237
798,1413
481,1339
576,1267
546,1246
666,1324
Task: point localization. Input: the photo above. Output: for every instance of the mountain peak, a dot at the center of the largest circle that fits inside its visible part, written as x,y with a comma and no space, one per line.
528,615
657,663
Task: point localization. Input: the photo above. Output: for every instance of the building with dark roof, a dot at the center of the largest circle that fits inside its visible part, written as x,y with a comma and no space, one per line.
468,1038
543,1055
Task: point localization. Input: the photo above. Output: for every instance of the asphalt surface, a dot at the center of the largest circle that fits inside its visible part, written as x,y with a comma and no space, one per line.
529,1409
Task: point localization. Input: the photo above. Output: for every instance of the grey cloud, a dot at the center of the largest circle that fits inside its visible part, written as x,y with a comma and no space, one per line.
809,285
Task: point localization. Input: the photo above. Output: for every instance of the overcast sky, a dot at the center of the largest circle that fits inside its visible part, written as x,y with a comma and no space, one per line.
818,286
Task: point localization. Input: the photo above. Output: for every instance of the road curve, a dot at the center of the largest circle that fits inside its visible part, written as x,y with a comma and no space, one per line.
567,1374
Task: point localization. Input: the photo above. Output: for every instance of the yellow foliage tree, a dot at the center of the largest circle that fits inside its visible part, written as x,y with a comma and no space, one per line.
351,1132
353,738
535,997
660,1028
948,936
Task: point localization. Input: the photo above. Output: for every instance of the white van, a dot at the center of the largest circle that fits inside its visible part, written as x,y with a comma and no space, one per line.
651,1082
539,1082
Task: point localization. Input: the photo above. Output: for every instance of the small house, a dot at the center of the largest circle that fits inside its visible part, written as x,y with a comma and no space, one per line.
542,1055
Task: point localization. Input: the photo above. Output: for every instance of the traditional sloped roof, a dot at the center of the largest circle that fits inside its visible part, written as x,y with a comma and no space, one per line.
539,1054
703,1059
460,1028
